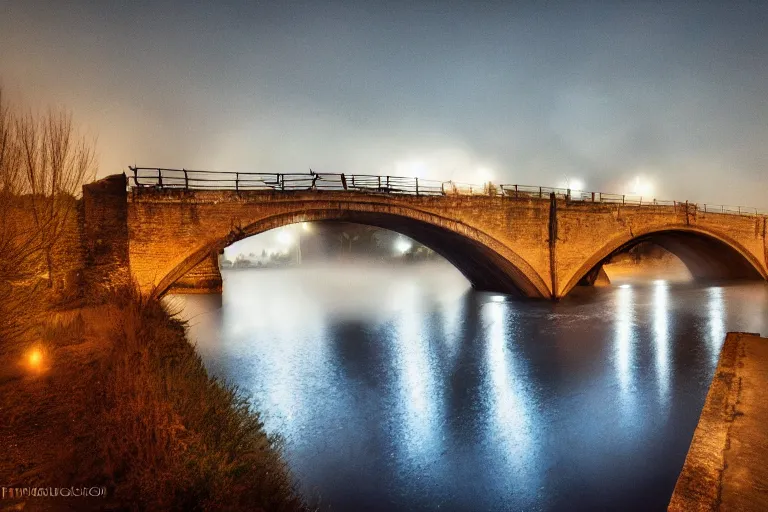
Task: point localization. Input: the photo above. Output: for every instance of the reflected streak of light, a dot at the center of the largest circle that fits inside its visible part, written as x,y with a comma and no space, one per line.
624,338
716,308
452,311
661,338
511,408
283,395
419,395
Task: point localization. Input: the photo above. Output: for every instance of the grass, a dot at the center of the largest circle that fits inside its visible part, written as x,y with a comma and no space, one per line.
140,415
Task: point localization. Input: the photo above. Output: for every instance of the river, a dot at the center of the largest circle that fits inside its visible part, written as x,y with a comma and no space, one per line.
403,389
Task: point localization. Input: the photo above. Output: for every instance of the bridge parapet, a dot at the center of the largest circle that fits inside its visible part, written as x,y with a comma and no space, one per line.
164,178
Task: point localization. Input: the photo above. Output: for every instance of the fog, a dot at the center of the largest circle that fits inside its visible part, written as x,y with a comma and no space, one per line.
344,259
319,242
347,290
664,99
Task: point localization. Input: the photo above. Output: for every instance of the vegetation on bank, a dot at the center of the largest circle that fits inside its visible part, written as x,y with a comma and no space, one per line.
122,400
170,435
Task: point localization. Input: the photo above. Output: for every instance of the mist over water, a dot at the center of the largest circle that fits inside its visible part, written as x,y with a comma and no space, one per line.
400,388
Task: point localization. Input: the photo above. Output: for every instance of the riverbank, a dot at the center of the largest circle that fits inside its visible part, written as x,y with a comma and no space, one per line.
725,468
112,396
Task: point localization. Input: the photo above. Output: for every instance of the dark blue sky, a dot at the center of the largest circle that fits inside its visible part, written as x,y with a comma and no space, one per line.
530,93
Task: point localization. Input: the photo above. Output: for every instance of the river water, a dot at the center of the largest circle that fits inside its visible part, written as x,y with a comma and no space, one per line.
403,389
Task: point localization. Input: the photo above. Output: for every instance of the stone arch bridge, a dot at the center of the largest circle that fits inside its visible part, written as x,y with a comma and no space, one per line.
528,241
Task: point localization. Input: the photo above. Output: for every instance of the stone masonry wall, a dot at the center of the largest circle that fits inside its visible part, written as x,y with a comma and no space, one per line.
105,233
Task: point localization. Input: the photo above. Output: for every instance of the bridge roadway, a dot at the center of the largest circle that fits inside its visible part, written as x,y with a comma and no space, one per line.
518,240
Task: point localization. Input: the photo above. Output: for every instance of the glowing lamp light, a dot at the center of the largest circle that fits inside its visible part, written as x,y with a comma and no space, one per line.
284,238
573,184
305,226
402,245
35,359
625,286
484,175
411,168
497,298
640,187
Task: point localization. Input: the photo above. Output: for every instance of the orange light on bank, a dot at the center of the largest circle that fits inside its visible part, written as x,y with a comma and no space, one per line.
35,359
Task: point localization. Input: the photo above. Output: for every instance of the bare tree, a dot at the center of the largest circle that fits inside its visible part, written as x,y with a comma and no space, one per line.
19,244
10,175
55,162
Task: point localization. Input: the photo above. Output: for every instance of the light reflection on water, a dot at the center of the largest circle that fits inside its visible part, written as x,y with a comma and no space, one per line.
716,307
404,390
661,339
624,342
419,397
510,405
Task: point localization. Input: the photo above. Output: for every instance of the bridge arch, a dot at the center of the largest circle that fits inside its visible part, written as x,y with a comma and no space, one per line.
706,253
484,261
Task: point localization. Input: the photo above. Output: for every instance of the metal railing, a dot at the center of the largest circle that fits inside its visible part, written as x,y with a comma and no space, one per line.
162,178
143,177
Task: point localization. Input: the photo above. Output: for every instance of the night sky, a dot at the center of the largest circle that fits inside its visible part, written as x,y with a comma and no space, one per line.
545,94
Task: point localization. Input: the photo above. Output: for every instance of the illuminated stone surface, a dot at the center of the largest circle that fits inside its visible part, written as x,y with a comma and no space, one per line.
726,464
